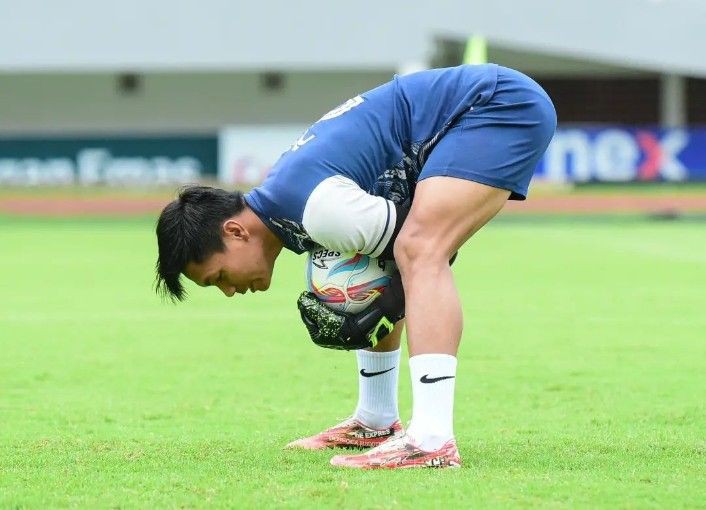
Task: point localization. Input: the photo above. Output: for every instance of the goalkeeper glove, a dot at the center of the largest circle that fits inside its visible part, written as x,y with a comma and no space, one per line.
337,330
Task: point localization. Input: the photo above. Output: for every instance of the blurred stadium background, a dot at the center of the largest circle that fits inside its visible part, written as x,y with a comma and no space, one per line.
139,94
109,398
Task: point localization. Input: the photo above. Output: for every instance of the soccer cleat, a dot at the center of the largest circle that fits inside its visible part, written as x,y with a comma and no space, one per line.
350,433
401,453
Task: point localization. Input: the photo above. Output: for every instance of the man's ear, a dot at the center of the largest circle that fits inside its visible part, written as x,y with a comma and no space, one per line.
232,228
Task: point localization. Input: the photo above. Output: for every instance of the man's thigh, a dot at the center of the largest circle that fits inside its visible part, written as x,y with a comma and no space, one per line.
447,211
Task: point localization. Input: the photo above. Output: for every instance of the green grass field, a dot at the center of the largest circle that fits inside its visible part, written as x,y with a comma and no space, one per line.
581,383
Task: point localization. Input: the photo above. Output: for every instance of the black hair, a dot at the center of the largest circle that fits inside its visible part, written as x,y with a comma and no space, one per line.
189,230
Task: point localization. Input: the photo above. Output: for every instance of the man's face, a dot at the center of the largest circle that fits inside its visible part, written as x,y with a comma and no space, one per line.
240,267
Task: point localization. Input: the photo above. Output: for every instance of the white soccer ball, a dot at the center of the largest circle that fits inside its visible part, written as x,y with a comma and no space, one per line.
347,282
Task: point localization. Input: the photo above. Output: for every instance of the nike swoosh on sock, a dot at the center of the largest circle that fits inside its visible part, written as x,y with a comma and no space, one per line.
373,374
427,380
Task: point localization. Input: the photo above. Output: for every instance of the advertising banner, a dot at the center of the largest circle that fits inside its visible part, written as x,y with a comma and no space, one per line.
246,153
625,154
107,161
606,154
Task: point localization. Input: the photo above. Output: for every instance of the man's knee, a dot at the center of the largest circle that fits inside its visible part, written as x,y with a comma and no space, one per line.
415,246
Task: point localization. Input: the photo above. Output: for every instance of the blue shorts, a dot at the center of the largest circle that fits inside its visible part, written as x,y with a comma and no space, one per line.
498,143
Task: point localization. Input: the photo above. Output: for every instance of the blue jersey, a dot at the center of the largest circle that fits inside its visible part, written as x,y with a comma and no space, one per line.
337,184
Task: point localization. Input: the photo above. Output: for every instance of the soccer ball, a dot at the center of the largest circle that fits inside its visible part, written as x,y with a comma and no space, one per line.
347,282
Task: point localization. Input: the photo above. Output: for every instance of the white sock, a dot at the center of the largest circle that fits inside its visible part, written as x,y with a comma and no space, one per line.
433,383
377,392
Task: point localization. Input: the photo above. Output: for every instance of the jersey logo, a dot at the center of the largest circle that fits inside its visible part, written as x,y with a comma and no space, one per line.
303,139
340,110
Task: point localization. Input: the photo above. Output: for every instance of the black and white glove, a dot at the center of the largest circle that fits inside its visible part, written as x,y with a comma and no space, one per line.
343,331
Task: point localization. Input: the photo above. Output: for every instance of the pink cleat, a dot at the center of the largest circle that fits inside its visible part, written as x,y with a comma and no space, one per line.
400,453
350,433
